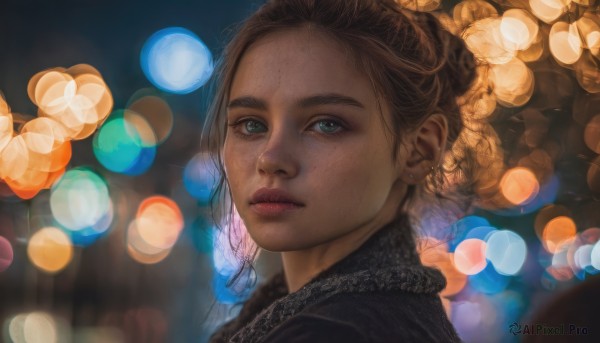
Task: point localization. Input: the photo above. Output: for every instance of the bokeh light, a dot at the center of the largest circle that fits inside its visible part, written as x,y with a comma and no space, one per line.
489,280
591,135
469,11
557,231
80,199
176,60
565,44
76,97
232,244
546,214
462,227
595,256
200,177
513,82
481,232
583,259
125,143
36,327
506,250
155,110
469,256
159,221
579,252
139,250
587,72
435,253
50,249
560,268
519,185
6,124
593,175
473,314
155,229
548,10
519,29
40,327
71,104
420,5
6,254
484,38
201,233
89,235
227,293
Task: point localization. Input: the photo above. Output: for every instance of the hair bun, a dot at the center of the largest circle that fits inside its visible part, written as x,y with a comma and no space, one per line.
460,64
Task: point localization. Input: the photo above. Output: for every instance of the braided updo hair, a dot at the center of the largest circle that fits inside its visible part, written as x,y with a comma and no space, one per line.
415,66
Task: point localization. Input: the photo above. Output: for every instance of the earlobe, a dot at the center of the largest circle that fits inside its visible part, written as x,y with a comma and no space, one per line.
424,149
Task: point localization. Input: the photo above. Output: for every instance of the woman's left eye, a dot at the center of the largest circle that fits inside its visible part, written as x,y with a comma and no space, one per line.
327,126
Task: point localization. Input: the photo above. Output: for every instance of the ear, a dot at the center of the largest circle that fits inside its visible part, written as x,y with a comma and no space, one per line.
424,148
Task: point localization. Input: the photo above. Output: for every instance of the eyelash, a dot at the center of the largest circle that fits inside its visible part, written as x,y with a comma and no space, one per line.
235,126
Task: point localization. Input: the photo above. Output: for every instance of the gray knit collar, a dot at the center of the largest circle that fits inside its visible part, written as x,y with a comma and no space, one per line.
387,261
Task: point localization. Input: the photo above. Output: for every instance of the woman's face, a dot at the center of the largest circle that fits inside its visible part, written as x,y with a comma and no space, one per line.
307,156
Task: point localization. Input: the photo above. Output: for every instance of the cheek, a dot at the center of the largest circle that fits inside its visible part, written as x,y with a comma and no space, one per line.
236,160
365,174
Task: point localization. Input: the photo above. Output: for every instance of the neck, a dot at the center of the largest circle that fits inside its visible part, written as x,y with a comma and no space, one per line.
301,266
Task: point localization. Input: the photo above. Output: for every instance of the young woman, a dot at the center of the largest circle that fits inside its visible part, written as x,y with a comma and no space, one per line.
329,118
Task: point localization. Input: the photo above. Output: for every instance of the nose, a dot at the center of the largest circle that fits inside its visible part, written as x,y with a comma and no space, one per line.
278,156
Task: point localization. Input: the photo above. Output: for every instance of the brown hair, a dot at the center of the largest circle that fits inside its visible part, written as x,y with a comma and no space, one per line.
415,66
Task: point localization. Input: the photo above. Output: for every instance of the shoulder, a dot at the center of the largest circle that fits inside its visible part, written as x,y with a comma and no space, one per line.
380,317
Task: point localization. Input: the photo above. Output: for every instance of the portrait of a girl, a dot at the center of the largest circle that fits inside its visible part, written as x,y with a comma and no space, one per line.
329,119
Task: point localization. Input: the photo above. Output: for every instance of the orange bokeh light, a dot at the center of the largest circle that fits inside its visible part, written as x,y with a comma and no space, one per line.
519,185
469,256
71,104
557,231
434,253
159,221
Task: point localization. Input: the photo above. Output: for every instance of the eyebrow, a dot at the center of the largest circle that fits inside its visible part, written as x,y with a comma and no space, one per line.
311,101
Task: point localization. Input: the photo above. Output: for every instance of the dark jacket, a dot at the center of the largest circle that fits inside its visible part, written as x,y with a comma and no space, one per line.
379,293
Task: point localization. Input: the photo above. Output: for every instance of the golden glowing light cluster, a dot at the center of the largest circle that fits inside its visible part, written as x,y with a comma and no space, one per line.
155,229
504,41
72,103
497,42
508,43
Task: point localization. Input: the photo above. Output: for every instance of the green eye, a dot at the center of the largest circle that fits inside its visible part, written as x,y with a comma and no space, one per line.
253,126
328,126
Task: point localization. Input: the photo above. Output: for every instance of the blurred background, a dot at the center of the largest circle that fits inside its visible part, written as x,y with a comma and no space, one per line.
106,233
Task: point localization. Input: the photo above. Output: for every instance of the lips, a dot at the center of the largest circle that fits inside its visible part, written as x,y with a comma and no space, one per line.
266,195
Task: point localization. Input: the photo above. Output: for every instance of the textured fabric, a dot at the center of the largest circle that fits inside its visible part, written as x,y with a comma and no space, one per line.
378,293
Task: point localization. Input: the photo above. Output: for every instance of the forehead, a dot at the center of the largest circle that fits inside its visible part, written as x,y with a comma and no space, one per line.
297,62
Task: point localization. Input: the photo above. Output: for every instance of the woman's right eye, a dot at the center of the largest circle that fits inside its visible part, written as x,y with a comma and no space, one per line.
248,127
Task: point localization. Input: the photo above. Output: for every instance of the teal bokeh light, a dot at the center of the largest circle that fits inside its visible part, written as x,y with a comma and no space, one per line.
119,146
80,203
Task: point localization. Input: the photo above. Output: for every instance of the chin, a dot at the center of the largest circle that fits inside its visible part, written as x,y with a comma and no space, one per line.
279,243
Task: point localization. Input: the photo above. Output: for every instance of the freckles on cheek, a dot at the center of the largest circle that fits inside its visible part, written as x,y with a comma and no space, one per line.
238,159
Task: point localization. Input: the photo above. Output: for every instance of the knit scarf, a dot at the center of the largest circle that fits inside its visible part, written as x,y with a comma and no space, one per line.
387,261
